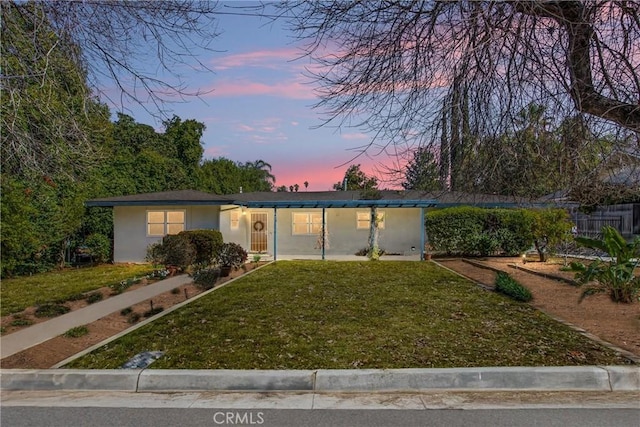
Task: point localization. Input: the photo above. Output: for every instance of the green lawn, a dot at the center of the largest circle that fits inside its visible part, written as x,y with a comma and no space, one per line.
22,292
336,315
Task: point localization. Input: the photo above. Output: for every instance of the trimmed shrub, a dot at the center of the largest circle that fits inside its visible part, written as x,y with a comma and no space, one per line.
94,297
76,332
207,244
178,250
51,310
99,247
21,322
470,231
206,278
449,229
133,317
155,254
231,255
153,311
507,285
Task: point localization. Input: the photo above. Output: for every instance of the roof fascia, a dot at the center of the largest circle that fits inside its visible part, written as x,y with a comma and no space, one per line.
97,203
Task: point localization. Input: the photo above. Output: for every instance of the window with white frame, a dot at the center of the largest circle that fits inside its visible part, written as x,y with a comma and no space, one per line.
161,223
235,219
307,223
363,220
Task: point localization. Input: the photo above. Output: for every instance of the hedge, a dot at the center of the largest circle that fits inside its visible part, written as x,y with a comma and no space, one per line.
469,231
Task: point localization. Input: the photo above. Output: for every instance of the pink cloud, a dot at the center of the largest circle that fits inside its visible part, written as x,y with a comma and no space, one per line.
295,89
261,58
354,136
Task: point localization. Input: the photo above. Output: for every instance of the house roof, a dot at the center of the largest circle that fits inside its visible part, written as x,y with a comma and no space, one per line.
315,199
179,197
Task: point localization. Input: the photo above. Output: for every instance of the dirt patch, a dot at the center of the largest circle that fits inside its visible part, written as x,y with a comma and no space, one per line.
49,353
616,323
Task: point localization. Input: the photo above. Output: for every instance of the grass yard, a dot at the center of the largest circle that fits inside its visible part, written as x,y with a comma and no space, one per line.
343,315
21,292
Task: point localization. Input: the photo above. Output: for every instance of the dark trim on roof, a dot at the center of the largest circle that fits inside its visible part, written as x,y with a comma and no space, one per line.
324,199
99,203
339,204
162,198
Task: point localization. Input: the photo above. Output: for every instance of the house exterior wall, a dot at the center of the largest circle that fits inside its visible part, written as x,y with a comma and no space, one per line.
401,232
130,240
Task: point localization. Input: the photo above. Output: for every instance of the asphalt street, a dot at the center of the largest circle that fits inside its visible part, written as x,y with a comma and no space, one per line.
157,417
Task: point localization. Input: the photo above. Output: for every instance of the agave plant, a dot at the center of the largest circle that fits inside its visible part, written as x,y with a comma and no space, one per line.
616,276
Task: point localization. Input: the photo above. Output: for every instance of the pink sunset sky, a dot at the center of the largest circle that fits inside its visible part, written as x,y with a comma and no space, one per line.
258,105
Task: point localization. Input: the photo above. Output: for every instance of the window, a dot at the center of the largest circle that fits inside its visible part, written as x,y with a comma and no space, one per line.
235,219
161,223
307,222
363,220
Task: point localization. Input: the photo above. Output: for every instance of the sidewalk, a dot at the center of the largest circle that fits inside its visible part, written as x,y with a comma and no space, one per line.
41,332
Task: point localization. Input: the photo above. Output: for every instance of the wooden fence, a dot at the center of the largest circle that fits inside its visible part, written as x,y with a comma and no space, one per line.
624,218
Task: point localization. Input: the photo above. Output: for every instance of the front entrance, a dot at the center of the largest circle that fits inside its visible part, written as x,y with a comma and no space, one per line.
259,232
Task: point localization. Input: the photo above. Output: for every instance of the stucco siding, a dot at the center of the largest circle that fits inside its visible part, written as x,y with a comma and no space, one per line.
401,232
130,228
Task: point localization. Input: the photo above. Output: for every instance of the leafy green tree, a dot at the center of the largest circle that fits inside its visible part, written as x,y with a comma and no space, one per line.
549,228
422,172
356,180
258,175
20,239
184,141
49,121
53,50
224,176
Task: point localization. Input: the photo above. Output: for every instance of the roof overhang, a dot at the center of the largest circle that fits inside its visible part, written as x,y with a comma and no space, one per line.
105,203
309,204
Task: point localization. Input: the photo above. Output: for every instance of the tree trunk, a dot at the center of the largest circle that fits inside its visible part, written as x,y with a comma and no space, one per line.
374,233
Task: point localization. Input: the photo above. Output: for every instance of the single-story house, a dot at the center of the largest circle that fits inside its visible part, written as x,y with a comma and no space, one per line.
283,223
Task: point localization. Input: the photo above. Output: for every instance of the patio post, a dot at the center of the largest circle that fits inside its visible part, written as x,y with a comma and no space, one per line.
275,234
323,232
422,233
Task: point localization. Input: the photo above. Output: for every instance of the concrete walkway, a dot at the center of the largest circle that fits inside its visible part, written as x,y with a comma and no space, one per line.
41,332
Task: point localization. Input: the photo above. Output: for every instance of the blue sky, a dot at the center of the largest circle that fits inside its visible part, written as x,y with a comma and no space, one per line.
260,107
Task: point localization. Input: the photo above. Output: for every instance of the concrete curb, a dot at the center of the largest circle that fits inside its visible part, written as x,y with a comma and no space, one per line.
562,378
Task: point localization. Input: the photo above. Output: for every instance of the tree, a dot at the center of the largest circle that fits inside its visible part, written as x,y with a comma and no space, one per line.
393,58
306,184
422,172
453,76
184,141
53,48
49,121
224,176
355,179
549,228
259,171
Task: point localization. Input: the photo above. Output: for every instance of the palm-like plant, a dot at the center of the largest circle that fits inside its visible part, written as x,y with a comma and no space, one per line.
615,277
